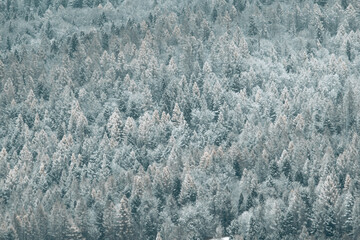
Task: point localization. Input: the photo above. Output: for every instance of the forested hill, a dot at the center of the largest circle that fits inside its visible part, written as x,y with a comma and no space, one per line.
168,119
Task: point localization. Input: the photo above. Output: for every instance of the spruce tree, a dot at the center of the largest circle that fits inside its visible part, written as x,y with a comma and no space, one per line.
188,191
253,30
123,220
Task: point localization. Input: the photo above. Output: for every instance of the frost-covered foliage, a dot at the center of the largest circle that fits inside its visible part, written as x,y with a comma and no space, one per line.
165,119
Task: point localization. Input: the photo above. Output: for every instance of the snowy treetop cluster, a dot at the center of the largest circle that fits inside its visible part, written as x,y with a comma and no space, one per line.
165,119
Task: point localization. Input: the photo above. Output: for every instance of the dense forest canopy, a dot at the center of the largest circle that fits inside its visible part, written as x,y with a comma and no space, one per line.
165,119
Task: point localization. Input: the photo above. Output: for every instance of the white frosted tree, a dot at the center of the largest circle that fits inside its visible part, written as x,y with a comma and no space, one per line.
109,221
72,231
177,116
130,130
4,165
123,220
188,191
324,212
114,125
9,90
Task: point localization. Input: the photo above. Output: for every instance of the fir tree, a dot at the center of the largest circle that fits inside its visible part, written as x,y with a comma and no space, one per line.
123,221
253,30
188,190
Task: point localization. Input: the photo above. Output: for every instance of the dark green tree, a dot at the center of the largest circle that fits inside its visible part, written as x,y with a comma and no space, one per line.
348,50
8,44
77,3
74,45
253,30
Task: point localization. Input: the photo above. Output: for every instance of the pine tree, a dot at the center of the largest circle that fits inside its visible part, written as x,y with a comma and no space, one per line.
9,90
240,204
129,130
123,221
188,191
348,50
58,221
158,189
350,16
105,168
177,116
81,217
2,70
26,158
166,179
249,202
42,221
176,188
114,125
349,109
253,229
274,169
74,45
323,216
73,232
226,213
356,218
4,166
29,232
286,166
253,30
244,50
8,44
289,224
348,214
329,223
319,31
